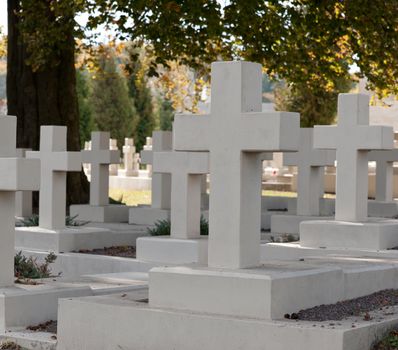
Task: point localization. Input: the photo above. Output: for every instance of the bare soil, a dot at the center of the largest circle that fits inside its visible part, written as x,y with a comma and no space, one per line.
120,251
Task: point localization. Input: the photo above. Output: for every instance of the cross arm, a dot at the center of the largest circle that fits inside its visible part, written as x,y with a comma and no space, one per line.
19,174
182,162
146,156
270,131
66,161
191,132
375,137
325,137
384,155
101,156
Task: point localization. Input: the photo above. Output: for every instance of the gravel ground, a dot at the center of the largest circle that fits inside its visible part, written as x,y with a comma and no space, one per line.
354,307
122,251
49,327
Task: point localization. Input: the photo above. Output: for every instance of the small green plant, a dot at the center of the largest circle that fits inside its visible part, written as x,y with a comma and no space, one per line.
72,221
389,342
30,222
163,228
28,268
34,221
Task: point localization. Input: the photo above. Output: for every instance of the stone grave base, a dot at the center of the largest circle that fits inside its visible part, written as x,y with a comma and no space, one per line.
383,209
74,265
374,234
290,224
100,213
131,183
25,305
29,305
326,206
168,250
145,215
195,309
70,239
294,251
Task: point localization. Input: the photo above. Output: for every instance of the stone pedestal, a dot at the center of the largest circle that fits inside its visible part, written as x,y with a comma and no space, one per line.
374,234
70,239
202,308
383,209
145,215
169,250
100,213
290,224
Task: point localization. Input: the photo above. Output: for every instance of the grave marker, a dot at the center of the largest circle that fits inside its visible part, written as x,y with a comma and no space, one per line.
16,174
235,133
55,162
310,164
352,138
99,158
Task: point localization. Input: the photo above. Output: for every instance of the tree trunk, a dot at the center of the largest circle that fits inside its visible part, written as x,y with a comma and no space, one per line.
45,97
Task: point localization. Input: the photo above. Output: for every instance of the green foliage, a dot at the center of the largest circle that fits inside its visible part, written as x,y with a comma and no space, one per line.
85,109
142,97
316,106
3,77
163,228
34,221
26,268
314,43
165,114
3,44
72,221
389,342
188,29
112,106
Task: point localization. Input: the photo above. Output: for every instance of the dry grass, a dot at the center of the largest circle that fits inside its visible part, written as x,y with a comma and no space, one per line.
131,197
144,197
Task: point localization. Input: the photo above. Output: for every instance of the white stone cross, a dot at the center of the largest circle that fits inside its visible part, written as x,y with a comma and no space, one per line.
235,133
161,183
55,162
384,173
129,158
147,150
352,138
310,164
23,199
16,174
186,179
113,167
99,157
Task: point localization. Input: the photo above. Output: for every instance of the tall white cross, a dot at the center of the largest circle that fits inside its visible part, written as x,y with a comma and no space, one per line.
113,167
235,133
352,138
99,157
16,174
23,199
186,169
161,183
130,159
55,162
310,164
384,173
